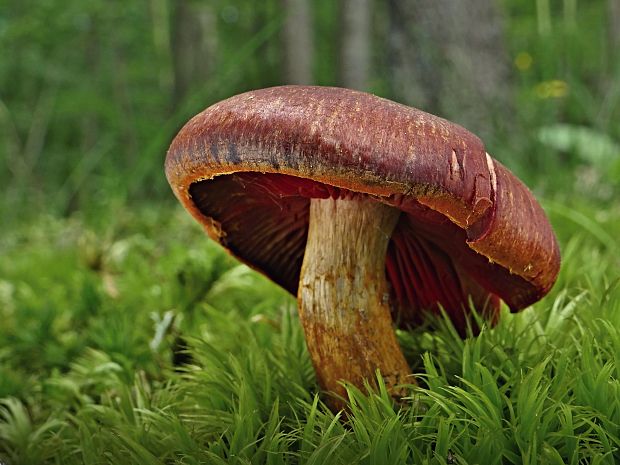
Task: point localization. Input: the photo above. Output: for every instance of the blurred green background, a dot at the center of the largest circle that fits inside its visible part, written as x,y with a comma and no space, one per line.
92,92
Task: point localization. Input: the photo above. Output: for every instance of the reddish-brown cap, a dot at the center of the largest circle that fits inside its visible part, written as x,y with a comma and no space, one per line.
247,167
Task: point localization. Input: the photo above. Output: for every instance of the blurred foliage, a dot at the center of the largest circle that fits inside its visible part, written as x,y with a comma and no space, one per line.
565,72
86,90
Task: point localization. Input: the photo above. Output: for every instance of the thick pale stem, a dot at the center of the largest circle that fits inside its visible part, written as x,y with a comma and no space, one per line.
344,296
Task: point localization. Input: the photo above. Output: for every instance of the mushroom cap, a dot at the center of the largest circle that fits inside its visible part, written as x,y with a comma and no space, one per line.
247,167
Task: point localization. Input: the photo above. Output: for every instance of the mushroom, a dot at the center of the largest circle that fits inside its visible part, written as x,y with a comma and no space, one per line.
369,211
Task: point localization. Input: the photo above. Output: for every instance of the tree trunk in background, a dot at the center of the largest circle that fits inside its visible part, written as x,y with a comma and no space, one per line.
298,42
160,18
92,56
614,28
447,57
193,46
355,44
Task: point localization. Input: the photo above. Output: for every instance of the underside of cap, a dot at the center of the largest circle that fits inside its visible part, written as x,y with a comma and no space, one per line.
247,167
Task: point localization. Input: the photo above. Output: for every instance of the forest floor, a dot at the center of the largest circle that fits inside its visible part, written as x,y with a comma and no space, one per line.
134,339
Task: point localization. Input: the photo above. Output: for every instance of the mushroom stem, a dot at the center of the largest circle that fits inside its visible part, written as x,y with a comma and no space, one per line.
344,296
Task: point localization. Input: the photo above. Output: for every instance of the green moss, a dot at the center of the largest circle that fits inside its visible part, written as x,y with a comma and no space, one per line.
94,320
